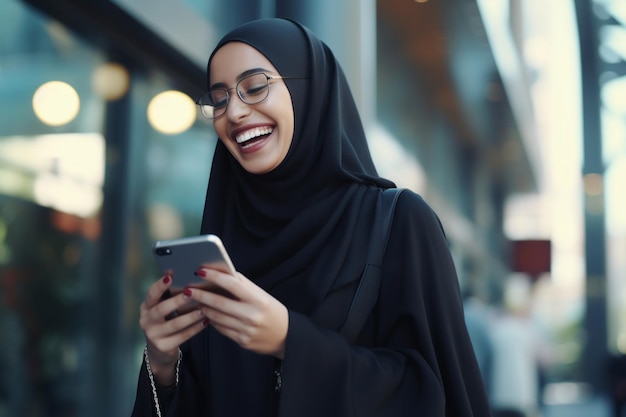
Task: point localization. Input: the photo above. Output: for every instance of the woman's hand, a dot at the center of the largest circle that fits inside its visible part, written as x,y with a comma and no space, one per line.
248,315
163,336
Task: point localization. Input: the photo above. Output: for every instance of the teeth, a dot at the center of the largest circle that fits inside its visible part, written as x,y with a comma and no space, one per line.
253,133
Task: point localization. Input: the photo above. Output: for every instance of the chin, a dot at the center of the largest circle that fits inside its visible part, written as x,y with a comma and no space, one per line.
261,164
258,168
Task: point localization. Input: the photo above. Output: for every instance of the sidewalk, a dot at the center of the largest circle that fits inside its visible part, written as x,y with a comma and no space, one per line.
593,407
568,399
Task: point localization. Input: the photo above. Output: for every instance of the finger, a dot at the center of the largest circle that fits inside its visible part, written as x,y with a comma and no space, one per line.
218,318
163,311
218,267
157,290
172,341
189,332
171,307
225,283
176,325
213,302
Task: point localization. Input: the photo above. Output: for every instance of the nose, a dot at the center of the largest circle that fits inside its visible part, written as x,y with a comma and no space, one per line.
236,107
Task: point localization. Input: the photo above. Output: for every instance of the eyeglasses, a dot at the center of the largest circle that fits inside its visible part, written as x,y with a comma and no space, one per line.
252,89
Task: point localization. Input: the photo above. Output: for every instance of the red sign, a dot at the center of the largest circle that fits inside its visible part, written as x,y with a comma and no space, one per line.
531,256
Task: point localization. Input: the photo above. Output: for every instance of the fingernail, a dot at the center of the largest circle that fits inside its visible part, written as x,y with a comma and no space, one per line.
187,292
167,279
205,322
200,273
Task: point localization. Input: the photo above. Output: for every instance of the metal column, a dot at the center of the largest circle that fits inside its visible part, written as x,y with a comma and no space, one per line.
595,347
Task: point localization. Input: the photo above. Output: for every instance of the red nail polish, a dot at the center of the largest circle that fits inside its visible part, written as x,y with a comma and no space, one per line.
205,322
187,292
200,273
167,279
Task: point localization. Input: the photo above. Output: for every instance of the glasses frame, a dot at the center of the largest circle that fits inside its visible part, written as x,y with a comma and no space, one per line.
239,93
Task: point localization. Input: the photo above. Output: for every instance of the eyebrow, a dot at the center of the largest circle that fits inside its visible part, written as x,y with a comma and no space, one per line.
240,76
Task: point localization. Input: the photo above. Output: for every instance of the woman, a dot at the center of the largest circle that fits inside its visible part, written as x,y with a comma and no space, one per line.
292,194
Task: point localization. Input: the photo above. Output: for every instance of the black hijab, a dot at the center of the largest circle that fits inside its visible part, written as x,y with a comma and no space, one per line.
302,232
293,230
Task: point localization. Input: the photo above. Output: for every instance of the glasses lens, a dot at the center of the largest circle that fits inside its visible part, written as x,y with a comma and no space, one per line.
218,98
207,111
213,103
254,88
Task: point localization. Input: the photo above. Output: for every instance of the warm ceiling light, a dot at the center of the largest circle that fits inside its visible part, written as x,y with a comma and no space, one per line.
56,103
593,184
110,81
171,112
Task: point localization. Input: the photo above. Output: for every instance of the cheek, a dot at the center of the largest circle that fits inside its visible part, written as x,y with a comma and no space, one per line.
218,126
290,131
220,131
288,121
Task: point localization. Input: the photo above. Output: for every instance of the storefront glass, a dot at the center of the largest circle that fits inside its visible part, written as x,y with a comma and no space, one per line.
95,164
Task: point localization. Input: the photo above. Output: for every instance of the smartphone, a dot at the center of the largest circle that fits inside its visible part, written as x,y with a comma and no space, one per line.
183,257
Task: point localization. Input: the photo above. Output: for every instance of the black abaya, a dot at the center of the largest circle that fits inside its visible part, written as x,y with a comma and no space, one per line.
301,232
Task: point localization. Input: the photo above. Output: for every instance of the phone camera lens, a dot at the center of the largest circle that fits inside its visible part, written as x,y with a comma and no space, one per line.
164,251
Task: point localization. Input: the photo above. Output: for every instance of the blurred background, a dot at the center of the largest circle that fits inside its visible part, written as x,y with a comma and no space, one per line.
508,116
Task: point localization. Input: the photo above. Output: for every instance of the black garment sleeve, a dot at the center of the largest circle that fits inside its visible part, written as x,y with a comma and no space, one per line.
413,357
184,400
144,400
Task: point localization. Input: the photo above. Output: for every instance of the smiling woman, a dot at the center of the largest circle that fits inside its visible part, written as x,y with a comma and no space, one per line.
293,194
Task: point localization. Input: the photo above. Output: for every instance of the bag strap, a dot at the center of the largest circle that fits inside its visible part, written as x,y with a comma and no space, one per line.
367,291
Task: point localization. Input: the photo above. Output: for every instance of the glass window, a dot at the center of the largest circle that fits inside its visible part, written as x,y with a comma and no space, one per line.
89,178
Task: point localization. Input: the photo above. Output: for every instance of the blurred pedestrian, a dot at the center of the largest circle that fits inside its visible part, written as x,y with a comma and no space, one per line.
514,390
